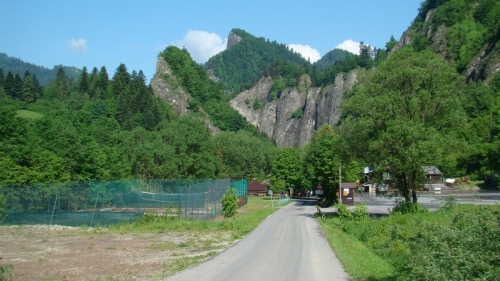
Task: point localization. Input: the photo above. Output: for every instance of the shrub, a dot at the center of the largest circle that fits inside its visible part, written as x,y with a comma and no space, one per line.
408,208
229,203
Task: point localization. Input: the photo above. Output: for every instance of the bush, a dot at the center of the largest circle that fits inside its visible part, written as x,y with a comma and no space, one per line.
229,203
360,215
465,250
408,208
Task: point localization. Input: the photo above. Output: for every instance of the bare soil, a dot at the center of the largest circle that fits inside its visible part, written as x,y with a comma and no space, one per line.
41,252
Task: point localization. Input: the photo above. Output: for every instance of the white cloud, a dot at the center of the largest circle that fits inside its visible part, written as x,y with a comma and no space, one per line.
201,45
306,51
350,46
77,45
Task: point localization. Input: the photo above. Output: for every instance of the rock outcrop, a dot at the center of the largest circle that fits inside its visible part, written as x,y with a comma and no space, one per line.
275,119
232,40
165,85
485,63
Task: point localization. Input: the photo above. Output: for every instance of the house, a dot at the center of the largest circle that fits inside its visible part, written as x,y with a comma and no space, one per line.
433,174
257,188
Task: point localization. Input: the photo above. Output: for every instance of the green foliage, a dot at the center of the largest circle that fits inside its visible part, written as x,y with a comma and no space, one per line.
204,91
229,203
5,272
465,249
331,58
257,104
451,244
359,216
408,208
286,169
44,75
297,114
29,114
406,115
243,155
244,63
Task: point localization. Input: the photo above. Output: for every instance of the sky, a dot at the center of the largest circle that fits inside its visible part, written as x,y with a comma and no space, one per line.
96,33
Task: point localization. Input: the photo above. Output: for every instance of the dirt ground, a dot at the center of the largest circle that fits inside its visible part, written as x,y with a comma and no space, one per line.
42,252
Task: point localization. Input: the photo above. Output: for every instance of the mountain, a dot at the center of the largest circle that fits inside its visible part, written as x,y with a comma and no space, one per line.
245,59
44,75
273,88
331,58
466,33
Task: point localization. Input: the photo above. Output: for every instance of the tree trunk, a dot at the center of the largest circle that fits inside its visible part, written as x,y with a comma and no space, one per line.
414,196
406,195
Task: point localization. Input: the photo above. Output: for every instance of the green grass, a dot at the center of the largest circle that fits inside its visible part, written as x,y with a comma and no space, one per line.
29,114
358,260
248,218
418,246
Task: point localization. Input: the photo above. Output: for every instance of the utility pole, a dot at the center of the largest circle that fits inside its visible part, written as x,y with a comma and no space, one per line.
340,181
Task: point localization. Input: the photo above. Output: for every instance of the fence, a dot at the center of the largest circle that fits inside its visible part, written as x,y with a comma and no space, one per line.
102,203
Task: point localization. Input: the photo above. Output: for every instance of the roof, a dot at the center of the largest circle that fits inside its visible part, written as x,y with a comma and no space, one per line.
256,186
348,185
431,170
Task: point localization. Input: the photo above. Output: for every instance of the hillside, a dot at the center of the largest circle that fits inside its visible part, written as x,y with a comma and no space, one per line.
332,57
44,75
241,65
466,33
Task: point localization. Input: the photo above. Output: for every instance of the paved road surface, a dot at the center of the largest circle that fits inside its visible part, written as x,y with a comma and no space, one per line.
288,245
379,205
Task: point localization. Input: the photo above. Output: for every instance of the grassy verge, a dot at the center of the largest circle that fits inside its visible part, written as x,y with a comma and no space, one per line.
457,242
358,260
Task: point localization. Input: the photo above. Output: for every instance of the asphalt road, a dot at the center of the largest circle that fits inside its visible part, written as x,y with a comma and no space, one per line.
380,205
288,245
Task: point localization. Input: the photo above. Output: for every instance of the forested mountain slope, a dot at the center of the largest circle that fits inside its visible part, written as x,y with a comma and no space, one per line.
332,57
43,74
464,32
241,65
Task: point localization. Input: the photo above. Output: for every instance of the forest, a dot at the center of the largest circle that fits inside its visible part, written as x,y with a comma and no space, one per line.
412,106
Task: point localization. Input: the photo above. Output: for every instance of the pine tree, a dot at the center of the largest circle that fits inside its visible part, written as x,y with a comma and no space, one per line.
93,82
38,87
2,78
18,87
83,84
103,80
9,84
62,85
29,91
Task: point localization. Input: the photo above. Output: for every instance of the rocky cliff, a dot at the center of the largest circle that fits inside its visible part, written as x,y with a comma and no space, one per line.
165,86
484,64
275,118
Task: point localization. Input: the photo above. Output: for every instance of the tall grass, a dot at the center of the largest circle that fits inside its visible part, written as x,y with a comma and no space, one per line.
458,242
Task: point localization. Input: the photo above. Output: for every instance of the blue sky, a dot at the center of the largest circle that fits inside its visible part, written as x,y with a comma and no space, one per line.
109,32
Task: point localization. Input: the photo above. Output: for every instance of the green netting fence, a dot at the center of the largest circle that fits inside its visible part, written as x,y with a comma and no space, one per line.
101,203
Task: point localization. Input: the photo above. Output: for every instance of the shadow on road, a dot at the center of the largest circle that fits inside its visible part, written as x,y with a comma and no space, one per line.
306,201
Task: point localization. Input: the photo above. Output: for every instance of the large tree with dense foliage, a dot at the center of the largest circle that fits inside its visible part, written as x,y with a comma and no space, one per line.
286,168
409,114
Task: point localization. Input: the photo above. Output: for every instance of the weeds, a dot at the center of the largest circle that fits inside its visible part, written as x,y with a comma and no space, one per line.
5,272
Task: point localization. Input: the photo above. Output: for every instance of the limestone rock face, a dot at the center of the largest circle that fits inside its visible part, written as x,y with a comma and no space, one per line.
483,66
232,40
165,86
274,119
